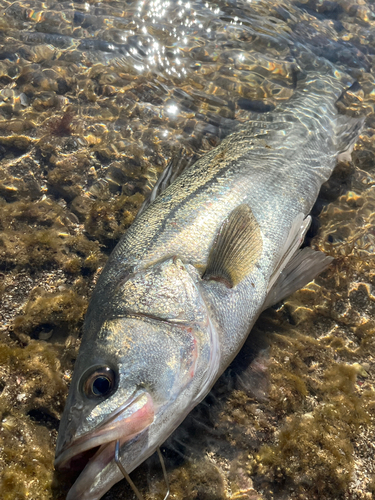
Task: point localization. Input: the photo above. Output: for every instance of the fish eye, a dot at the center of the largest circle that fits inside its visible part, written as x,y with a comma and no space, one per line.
99,383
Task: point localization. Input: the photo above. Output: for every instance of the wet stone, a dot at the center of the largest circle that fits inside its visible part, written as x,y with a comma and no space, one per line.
86,128
359,296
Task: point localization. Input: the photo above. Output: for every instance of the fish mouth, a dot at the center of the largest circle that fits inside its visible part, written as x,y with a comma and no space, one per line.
99,444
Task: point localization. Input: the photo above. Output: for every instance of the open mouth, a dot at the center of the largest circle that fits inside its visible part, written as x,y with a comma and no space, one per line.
79,461
99,445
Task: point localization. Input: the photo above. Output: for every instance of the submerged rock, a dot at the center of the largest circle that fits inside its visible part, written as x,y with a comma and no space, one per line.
84,134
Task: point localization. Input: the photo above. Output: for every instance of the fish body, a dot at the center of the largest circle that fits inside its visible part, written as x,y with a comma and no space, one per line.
184,286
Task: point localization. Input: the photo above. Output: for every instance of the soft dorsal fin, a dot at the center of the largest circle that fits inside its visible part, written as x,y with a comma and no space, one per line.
237,248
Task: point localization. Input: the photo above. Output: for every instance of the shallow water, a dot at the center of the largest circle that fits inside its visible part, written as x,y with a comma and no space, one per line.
95,100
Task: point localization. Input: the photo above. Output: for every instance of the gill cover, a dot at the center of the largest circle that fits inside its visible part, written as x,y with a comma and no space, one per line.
146,350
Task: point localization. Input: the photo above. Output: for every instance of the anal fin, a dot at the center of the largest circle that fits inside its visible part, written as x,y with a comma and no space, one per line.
302,268
237,248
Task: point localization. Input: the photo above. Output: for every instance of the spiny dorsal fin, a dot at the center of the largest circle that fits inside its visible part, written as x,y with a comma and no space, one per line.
174,169
237,248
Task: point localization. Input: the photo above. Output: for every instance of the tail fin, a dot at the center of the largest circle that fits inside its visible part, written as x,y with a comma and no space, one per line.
330,96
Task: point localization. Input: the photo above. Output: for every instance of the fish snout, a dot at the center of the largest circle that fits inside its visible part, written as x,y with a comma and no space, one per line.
124,424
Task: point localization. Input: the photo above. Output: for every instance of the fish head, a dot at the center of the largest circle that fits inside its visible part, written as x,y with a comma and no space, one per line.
136,378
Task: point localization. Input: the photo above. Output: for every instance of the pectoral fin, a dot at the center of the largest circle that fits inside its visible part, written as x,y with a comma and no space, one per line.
237,248
302,268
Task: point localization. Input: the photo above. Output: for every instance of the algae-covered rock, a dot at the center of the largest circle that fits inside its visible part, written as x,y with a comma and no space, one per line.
85,133
60,314
32,397
43,235
314,449
106,221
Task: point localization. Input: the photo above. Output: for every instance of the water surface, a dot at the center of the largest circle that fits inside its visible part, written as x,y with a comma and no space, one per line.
95,100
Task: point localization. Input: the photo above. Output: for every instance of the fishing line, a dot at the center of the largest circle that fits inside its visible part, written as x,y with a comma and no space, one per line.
127,477
164,472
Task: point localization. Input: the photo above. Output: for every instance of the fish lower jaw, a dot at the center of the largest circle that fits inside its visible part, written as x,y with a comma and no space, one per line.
82,488
95,450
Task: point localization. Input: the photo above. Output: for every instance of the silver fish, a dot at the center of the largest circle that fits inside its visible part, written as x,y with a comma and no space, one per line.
185,284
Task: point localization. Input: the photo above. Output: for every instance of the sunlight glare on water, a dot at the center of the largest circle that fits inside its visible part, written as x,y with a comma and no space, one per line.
96,98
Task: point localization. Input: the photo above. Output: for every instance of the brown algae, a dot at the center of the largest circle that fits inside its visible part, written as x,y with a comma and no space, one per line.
83,138
30,378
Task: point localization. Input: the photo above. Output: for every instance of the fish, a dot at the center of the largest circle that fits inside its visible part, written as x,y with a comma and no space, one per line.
182,289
